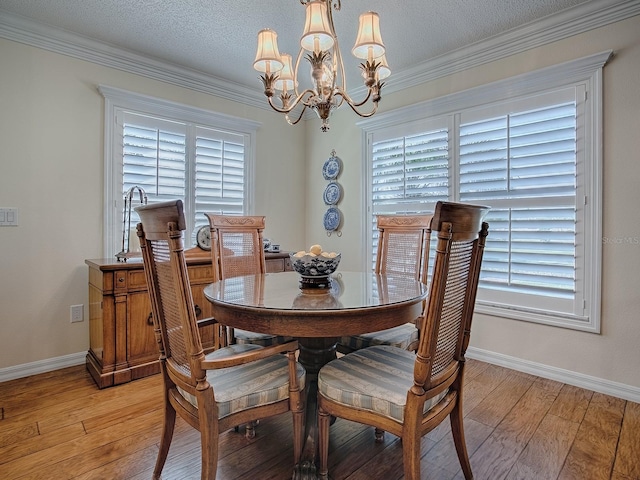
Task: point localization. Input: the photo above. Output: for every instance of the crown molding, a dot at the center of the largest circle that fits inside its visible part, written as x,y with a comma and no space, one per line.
567,23
28,32
559,26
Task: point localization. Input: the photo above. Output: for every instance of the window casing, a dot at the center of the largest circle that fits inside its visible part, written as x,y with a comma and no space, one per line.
174,151
530,148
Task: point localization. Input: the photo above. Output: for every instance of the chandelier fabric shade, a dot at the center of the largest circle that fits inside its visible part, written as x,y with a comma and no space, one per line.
317,35
383,70
268,58
369,41
319,46
285,81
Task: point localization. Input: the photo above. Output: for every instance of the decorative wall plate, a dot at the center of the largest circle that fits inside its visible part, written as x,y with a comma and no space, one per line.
332,168
332,194
332,219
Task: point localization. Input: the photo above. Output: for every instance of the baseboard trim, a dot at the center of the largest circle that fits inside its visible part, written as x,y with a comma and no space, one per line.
42,366
588,382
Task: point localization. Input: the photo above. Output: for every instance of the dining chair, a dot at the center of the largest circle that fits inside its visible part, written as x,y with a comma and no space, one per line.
237,249
227,387
403,249
409,394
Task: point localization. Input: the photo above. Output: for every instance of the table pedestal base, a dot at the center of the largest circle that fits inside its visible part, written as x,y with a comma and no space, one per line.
314,353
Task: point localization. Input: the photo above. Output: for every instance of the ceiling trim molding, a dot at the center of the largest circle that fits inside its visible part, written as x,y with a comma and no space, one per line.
556,27
22,30
559,26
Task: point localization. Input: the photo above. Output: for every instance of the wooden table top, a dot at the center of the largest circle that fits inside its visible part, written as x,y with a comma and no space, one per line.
357,302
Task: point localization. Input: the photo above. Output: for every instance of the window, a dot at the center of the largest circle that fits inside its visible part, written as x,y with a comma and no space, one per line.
534,157
174,151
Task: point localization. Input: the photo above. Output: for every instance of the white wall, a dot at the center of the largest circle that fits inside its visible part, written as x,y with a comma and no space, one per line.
614,355
51,169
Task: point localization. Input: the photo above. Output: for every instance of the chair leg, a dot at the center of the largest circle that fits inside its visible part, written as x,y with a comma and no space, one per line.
457,429
298,435
209,436
411,456
324,419
165,441
250,429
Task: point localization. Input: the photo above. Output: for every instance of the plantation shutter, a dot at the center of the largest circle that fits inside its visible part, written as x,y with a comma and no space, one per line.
219,173
524,165
154,158
202,166
529,147
409,173
519,158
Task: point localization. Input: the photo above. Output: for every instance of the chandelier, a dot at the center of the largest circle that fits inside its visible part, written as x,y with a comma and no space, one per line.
319,46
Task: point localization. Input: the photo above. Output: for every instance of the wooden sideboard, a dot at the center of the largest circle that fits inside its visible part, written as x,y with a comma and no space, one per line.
122,344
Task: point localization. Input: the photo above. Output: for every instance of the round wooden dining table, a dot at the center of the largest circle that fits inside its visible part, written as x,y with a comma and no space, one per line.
355,302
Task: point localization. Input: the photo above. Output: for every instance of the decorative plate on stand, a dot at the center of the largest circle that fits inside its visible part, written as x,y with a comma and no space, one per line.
332,219
332,194
332,168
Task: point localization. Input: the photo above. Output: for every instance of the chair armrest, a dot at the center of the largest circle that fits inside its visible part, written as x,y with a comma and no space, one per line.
205,322
253,355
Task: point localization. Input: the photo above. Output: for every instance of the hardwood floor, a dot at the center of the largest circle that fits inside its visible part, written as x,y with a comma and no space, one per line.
58,425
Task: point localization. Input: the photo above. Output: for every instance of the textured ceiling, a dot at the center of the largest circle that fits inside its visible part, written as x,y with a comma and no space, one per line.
218,37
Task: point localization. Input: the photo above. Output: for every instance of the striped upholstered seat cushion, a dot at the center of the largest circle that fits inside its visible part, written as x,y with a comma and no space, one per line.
375,379
241,387
401,337
262,339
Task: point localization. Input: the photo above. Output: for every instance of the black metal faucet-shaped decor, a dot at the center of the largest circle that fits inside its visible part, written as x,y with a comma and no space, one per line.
126,252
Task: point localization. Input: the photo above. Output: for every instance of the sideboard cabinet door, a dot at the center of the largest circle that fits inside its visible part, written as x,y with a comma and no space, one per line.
122,341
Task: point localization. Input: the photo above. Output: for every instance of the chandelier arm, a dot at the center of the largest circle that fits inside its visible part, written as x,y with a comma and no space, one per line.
295,70
350,101
297,119
365,115
293,105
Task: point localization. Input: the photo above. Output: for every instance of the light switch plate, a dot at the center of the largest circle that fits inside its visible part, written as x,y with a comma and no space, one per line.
77,313
8,217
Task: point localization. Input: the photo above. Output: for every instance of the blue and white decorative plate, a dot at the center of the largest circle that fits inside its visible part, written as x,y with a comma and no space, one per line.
332,219
332,168
332,194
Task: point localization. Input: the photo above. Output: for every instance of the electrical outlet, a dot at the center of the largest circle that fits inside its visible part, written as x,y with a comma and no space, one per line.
77,313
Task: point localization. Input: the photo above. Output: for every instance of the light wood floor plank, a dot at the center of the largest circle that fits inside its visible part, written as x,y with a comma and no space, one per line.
572,403
22,454
443,454
499,402
11,434
545,453
83,446
628,455
593,451
496,456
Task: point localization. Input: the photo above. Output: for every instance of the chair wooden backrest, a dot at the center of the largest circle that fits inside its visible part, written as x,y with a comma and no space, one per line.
172,304
452,294
188,375
236,250
410,394
403,245
236,245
